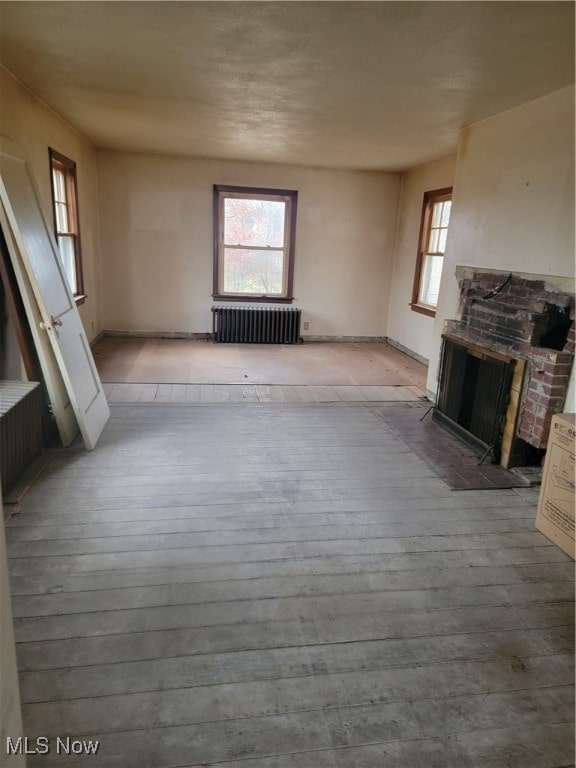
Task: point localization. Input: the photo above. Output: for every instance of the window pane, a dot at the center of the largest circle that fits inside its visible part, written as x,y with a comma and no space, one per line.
256,272
442,240
254,222
68,258
430,283
436,214
434,241
445,217
59,185
61,217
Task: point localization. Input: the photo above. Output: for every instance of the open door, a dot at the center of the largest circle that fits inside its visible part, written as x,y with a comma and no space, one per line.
31,241
60,404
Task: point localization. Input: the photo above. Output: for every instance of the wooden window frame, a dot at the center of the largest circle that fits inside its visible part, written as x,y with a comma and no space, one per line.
220,193
63,163
430,198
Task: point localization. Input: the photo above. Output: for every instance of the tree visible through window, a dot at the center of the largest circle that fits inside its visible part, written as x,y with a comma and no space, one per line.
432,244
67,231
254,243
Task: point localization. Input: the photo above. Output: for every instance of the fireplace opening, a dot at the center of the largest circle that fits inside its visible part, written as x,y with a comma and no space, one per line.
469,398
473,395
553,329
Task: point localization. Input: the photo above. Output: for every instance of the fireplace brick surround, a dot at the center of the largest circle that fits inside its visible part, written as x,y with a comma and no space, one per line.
529,318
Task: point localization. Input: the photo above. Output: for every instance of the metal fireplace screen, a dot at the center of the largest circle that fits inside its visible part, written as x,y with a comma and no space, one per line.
473,395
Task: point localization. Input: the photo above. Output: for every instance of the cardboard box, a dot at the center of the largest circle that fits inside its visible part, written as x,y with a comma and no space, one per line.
555,516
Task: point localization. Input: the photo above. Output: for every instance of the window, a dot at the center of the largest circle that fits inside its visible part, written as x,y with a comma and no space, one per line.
254,233
65,201
432,243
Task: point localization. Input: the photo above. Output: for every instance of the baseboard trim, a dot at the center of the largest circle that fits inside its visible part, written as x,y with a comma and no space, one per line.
346,339
97,338
409,352
208,336
159,335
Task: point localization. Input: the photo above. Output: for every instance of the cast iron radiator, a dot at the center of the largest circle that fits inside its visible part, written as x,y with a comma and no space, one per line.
21,406
256,325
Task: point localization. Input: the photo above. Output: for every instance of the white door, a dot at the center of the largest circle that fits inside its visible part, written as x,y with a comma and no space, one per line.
60,404
60,319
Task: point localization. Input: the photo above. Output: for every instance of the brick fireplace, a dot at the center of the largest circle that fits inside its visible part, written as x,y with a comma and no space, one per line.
527,320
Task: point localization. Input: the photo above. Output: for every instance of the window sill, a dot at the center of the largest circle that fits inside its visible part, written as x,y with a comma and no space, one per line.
254,299
423,310
80,299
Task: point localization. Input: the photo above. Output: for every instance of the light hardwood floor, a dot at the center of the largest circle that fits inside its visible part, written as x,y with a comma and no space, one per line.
285,586
182,361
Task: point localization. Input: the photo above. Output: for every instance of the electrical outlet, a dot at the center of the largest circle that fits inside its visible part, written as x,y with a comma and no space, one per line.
307,326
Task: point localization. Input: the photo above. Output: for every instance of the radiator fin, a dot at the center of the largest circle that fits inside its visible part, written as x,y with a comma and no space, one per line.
21,406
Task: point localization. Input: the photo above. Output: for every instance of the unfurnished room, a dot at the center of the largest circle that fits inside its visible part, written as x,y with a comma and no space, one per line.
287,387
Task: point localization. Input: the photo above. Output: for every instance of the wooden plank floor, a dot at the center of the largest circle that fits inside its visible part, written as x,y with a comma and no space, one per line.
258,393
285,585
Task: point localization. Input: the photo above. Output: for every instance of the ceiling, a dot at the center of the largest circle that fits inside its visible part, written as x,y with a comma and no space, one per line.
364,85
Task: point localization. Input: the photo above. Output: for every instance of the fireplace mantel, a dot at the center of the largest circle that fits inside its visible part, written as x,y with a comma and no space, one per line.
554,283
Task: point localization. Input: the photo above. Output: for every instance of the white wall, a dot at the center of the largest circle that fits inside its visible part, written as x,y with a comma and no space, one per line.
30,123
413,330
156,238
513,200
